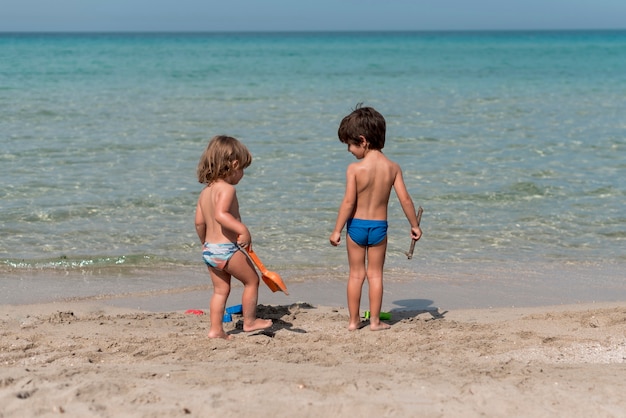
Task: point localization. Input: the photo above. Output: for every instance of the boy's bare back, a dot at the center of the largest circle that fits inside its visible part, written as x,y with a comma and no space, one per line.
373,178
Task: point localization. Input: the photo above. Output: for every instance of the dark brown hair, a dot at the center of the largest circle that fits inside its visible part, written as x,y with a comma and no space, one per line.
364,121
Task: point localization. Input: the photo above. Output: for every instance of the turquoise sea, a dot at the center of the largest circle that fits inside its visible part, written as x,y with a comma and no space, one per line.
514,143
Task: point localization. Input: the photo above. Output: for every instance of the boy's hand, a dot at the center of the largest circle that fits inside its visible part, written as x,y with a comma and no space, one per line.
335,238
416,233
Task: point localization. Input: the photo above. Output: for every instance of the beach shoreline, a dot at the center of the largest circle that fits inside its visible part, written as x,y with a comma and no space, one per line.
452,286
89,358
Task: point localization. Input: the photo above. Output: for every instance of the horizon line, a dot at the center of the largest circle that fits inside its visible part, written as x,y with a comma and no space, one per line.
216,31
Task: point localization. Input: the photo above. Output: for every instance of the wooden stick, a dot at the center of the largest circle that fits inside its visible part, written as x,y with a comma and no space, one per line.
409,255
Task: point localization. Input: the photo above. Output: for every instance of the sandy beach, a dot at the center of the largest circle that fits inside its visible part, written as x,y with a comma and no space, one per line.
512,141
92,359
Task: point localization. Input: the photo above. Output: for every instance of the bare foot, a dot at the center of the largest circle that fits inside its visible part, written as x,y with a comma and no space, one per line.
258,324
220,335
358,325
379,326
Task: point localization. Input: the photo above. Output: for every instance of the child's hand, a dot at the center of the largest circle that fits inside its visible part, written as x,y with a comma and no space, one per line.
335,238
416,233
244,239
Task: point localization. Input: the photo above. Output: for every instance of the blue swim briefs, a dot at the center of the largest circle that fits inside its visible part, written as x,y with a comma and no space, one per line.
366,232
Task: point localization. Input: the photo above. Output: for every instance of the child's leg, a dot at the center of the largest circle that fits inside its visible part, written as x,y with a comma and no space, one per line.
240,266
221,290
375,263
356,261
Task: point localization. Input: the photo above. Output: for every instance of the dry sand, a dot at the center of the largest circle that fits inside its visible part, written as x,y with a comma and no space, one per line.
88,359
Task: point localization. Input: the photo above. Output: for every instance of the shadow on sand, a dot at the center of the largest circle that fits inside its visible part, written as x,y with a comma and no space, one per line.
276,314
411,308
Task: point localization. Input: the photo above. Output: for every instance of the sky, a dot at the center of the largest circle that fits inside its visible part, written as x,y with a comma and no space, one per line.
315,15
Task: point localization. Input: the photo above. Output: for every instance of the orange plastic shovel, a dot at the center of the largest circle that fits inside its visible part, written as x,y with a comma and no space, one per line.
271,279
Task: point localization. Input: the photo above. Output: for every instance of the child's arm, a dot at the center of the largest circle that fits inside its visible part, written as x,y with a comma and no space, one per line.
200,223
347,206
407,205
226,199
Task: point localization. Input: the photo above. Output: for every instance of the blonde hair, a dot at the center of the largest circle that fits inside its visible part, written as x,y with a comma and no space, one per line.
217,159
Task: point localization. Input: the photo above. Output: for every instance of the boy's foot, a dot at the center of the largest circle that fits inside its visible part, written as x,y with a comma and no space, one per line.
380,326
257,325
358,325
220,335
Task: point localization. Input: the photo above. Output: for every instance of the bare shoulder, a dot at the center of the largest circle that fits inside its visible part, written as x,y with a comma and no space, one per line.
204,197
396,167
392,166
219,187
353,167
215,190
205,192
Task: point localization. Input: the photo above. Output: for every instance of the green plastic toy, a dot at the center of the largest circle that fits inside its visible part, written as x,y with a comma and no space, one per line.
383,315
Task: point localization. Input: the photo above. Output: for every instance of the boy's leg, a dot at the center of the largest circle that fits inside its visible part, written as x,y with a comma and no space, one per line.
375,263
240,266
221,290
356,261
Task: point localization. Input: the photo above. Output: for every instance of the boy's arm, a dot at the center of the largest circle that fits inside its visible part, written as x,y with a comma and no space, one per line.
346,209
407,205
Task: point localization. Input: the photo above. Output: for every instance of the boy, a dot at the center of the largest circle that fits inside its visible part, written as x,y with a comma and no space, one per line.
221,232
364,210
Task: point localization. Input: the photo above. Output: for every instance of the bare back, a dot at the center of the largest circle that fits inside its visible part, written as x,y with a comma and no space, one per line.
374,178
217,209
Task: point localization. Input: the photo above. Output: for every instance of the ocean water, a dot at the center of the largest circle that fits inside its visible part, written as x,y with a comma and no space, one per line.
514,143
